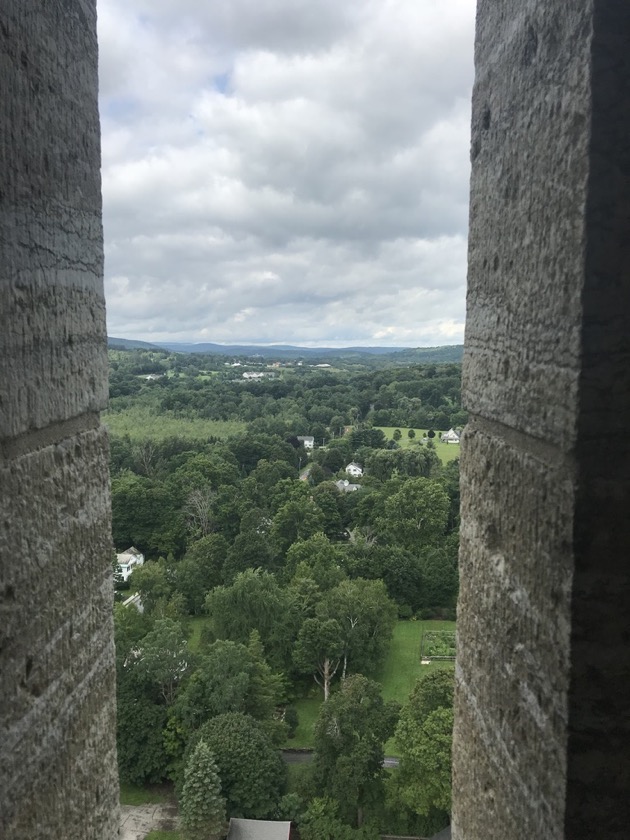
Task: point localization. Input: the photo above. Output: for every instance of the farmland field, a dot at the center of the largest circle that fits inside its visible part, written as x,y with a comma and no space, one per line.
141,423
445,451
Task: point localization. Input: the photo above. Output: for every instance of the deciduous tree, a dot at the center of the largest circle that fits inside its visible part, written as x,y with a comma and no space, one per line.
251,770
319,650
155,583
366,616
163,659
200,570
424,736
296,519
350,733
255,601
321,822
417,514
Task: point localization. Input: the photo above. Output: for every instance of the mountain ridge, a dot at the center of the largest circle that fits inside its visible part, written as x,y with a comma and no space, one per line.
442,353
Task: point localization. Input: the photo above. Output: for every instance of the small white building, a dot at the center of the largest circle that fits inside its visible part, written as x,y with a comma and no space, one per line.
307,441
450,437
344,486
241,829
354,469
134,601
128,560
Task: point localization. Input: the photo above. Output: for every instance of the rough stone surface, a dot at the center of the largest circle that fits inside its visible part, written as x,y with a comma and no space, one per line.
52,365
57,701
542,728
513,640
528,191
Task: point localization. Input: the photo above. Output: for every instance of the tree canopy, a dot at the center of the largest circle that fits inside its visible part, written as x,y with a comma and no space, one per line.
350,733
251,769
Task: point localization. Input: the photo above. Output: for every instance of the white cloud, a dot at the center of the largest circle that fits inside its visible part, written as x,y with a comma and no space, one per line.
286,170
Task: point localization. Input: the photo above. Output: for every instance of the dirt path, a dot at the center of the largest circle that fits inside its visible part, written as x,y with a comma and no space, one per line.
136,821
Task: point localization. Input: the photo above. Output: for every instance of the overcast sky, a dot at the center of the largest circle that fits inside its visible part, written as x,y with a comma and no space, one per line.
291,171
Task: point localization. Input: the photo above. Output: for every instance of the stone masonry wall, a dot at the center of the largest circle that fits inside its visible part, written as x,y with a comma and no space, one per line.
541,743
57,702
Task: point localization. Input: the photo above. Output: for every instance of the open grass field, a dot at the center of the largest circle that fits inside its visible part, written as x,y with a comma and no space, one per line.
446,451
397,677
141,423
402,667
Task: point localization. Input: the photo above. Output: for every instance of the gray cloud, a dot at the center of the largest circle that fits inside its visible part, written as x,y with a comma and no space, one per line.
286,170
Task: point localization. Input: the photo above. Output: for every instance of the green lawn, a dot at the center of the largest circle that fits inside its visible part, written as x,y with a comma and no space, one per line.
402,667
307,709
141,423
397,677
446,452
136,795
195,626
163,835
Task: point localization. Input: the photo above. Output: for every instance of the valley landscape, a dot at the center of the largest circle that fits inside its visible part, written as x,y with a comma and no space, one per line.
297,514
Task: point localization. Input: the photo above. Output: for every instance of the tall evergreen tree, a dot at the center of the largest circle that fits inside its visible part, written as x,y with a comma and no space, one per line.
202,806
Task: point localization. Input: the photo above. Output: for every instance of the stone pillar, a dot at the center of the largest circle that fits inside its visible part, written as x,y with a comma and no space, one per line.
57,699
542,730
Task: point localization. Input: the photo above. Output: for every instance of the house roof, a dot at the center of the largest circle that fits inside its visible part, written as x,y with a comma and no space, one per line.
258,830
132,552
345,486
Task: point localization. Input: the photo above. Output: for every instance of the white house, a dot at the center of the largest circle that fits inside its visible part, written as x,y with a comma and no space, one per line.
344,486
307,441
354,470
128,560
134,601
450,437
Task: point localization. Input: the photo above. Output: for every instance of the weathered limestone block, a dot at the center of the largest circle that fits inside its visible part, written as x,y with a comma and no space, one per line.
52,365
528,191
513,638
58,775
542,728
57,704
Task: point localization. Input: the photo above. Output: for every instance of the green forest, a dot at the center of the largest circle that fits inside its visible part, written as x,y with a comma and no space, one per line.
285,599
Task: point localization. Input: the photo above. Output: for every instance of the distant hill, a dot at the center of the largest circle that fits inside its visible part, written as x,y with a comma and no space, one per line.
130,344
452,353
447,353
404,355
271,350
